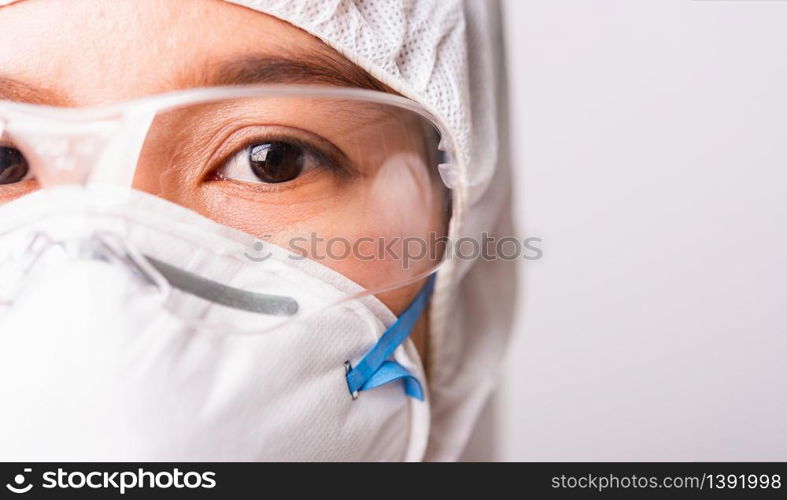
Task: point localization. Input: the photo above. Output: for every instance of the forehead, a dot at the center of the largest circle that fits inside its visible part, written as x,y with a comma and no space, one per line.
91,51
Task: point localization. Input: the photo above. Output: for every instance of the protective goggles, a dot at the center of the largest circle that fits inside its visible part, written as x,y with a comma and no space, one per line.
352,179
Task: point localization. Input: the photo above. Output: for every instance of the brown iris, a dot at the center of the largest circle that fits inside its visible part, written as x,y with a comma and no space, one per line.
275,162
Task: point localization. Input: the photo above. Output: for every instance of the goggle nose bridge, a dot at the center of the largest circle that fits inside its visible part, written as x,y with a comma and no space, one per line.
68,151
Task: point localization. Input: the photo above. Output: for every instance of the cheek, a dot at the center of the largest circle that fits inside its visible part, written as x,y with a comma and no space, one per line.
344,233
11,192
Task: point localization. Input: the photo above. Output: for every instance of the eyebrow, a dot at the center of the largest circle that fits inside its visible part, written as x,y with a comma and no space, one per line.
327,69
306,69
16,90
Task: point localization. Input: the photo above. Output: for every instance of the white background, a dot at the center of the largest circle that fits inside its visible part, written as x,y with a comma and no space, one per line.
650,142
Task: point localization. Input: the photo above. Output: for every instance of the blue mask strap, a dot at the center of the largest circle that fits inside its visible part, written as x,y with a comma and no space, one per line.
375,369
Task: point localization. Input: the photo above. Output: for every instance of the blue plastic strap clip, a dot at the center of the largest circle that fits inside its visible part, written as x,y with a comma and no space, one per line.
375,369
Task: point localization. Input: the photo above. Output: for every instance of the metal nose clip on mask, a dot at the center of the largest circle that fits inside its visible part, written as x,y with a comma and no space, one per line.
134,325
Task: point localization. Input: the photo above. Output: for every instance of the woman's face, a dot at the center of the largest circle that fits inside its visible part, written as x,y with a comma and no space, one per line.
344,169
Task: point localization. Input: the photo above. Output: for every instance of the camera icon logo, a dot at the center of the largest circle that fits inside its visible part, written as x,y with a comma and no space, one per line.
19,483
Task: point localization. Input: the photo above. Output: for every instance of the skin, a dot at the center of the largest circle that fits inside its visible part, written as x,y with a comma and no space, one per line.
91,52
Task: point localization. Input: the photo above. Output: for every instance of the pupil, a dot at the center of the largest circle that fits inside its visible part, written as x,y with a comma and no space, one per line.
274,162
13,166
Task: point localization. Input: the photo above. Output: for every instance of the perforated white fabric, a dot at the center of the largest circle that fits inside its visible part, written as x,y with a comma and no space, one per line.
447,55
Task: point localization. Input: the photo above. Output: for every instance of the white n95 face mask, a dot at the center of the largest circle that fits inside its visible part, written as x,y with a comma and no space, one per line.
95,366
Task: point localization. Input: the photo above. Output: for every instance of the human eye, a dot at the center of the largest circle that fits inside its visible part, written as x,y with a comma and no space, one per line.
14,167
274,161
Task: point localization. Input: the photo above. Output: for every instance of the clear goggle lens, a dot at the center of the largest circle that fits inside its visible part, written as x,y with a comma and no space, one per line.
349,180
